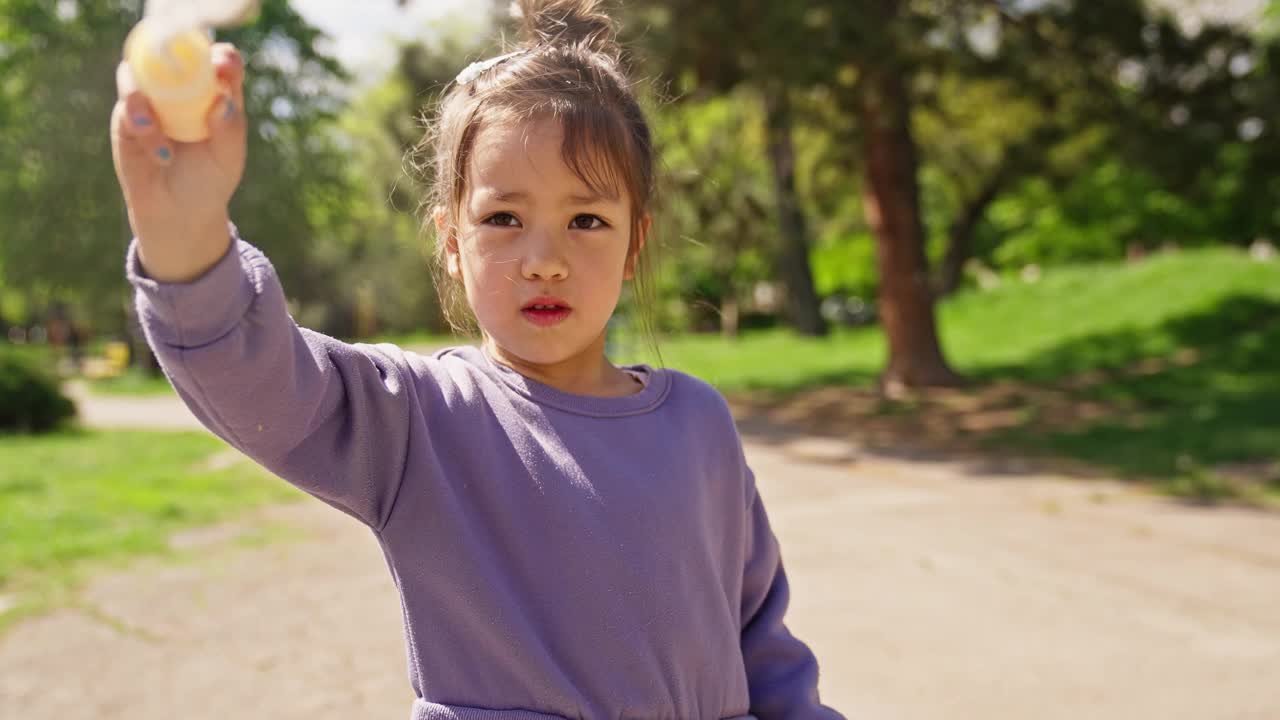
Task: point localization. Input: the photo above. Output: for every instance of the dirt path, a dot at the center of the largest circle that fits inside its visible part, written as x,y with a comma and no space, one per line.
927,589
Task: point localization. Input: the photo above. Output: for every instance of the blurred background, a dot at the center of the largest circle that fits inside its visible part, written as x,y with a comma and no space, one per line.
1035,234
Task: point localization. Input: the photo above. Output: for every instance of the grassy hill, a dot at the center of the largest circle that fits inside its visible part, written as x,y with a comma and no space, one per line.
1166,368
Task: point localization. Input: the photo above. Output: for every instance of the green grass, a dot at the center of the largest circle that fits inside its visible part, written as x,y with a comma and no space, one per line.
1074,319
76,500
1178,423
419,340
776,360
1110,315
1223,408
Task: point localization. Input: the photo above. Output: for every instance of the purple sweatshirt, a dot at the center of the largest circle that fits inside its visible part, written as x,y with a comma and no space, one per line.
557,555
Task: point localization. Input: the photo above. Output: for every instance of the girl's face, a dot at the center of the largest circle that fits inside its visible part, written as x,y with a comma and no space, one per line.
531,234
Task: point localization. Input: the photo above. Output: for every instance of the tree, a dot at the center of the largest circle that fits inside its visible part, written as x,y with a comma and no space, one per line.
1069,59
716,47
883,104
1093,85
717,193
66,227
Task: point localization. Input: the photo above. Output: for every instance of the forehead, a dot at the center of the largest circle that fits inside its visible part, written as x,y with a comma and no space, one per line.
530,157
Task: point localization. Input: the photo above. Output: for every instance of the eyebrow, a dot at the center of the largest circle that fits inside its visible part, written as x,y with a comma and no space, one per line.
513,196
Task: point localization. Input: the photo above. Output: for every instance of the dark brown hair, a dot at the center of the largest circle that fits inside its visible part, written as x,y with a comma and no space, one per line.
569,67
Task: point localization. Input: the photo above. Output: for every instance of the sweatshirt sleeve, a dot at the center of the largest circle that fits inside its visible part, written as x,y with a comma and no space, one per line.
782,673
329,417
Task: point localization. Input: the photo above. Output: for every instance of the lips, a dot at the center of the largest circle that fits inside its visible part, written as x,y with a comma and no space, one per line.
546,302
546,310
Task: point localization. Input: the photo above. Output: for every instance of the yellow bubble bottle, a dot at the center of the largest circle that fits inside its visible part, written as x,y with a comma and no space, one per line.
175,72
170,55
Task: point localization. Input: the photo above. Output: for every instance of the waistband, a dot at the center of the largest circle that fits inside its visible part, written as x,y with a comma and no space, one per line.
423,710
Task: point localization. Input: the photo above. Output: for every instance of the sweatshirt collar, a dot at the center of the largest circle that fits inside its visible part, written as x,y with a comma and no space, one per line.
657,383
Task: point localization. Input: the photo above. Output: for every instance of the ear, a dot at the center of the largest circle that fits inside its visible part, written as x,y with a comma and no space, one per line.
642,236
453,260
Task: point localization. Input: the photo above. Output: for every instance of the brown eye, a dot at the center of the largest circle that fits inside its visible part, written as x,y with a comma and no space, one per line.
502,220
587,222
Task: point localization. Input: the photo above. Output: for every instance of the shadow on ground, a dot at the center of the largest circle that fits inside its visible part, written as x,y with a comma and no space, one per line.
1195,400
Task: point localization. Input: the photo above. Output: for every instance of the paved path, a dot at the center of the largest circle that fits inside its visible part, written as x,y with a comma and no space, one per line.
927,589
158,412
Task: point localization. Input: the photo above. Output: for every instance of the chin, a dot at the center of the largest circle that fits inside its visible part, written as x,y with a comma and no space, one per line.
533,351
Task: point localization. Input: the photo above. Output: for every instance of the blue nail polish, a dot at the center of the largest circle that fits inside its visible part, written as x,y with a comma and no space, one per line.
141,121
164,154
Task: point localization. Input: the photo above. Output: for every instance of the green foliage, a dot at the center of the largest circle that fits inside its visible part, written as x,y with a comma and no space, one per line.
374,225
1104,211
1096,217
65,220
367,237
30,398
845,265
1094,126
718,231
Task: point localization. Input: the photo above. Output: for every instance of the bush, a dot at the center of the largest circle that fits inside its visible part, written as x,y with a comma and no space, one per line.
30,399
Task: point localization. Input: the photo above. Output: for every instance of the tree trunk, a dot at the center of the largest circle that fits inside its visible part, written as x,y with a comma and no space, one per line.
960,234
802,300
892,201
729,315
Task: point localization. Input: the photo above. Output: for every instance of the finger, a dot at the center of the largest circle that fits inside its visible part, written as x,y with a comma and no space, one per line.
137,124
135,169
227,123
228,66
140,120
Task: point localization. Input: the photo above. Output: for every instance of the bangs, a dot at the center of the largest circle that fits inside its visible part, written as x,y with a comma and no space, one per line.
597,147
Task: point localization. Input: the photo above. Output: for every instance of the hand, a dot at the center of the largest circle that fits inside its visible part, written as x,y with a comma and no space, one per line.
178,193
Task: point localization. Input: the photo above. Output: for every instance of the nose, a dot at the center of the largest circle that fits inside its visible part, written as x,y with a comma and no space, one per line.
543,257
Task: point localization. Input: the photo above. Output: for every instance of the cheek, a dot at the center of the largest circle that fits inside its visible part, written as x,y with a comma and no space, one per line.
607,277
479,260
488,282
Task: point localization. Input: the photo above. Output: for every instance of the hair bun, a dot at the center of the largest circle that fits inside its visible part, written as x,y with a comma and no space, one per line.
571,22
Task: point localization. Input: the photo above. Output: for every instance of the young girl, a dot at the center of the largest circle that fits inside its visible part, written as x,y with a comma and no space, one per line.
570,539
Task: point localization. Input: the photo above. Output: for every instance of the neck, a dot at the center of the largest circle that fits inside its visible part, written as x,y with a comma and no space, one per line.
586,373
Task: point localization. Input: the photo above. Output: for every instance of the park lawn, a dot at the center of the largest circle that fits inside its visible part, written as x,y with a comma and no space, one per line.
1181,347
421,341
1073,320
75,500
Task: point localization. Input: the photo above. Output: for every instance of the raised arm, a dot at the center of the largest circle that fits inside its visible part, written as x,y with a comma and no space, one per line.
330,417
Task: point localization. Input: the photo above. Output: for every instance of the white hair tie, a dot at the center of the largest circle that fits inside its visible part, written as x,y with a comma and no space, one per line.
472,71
